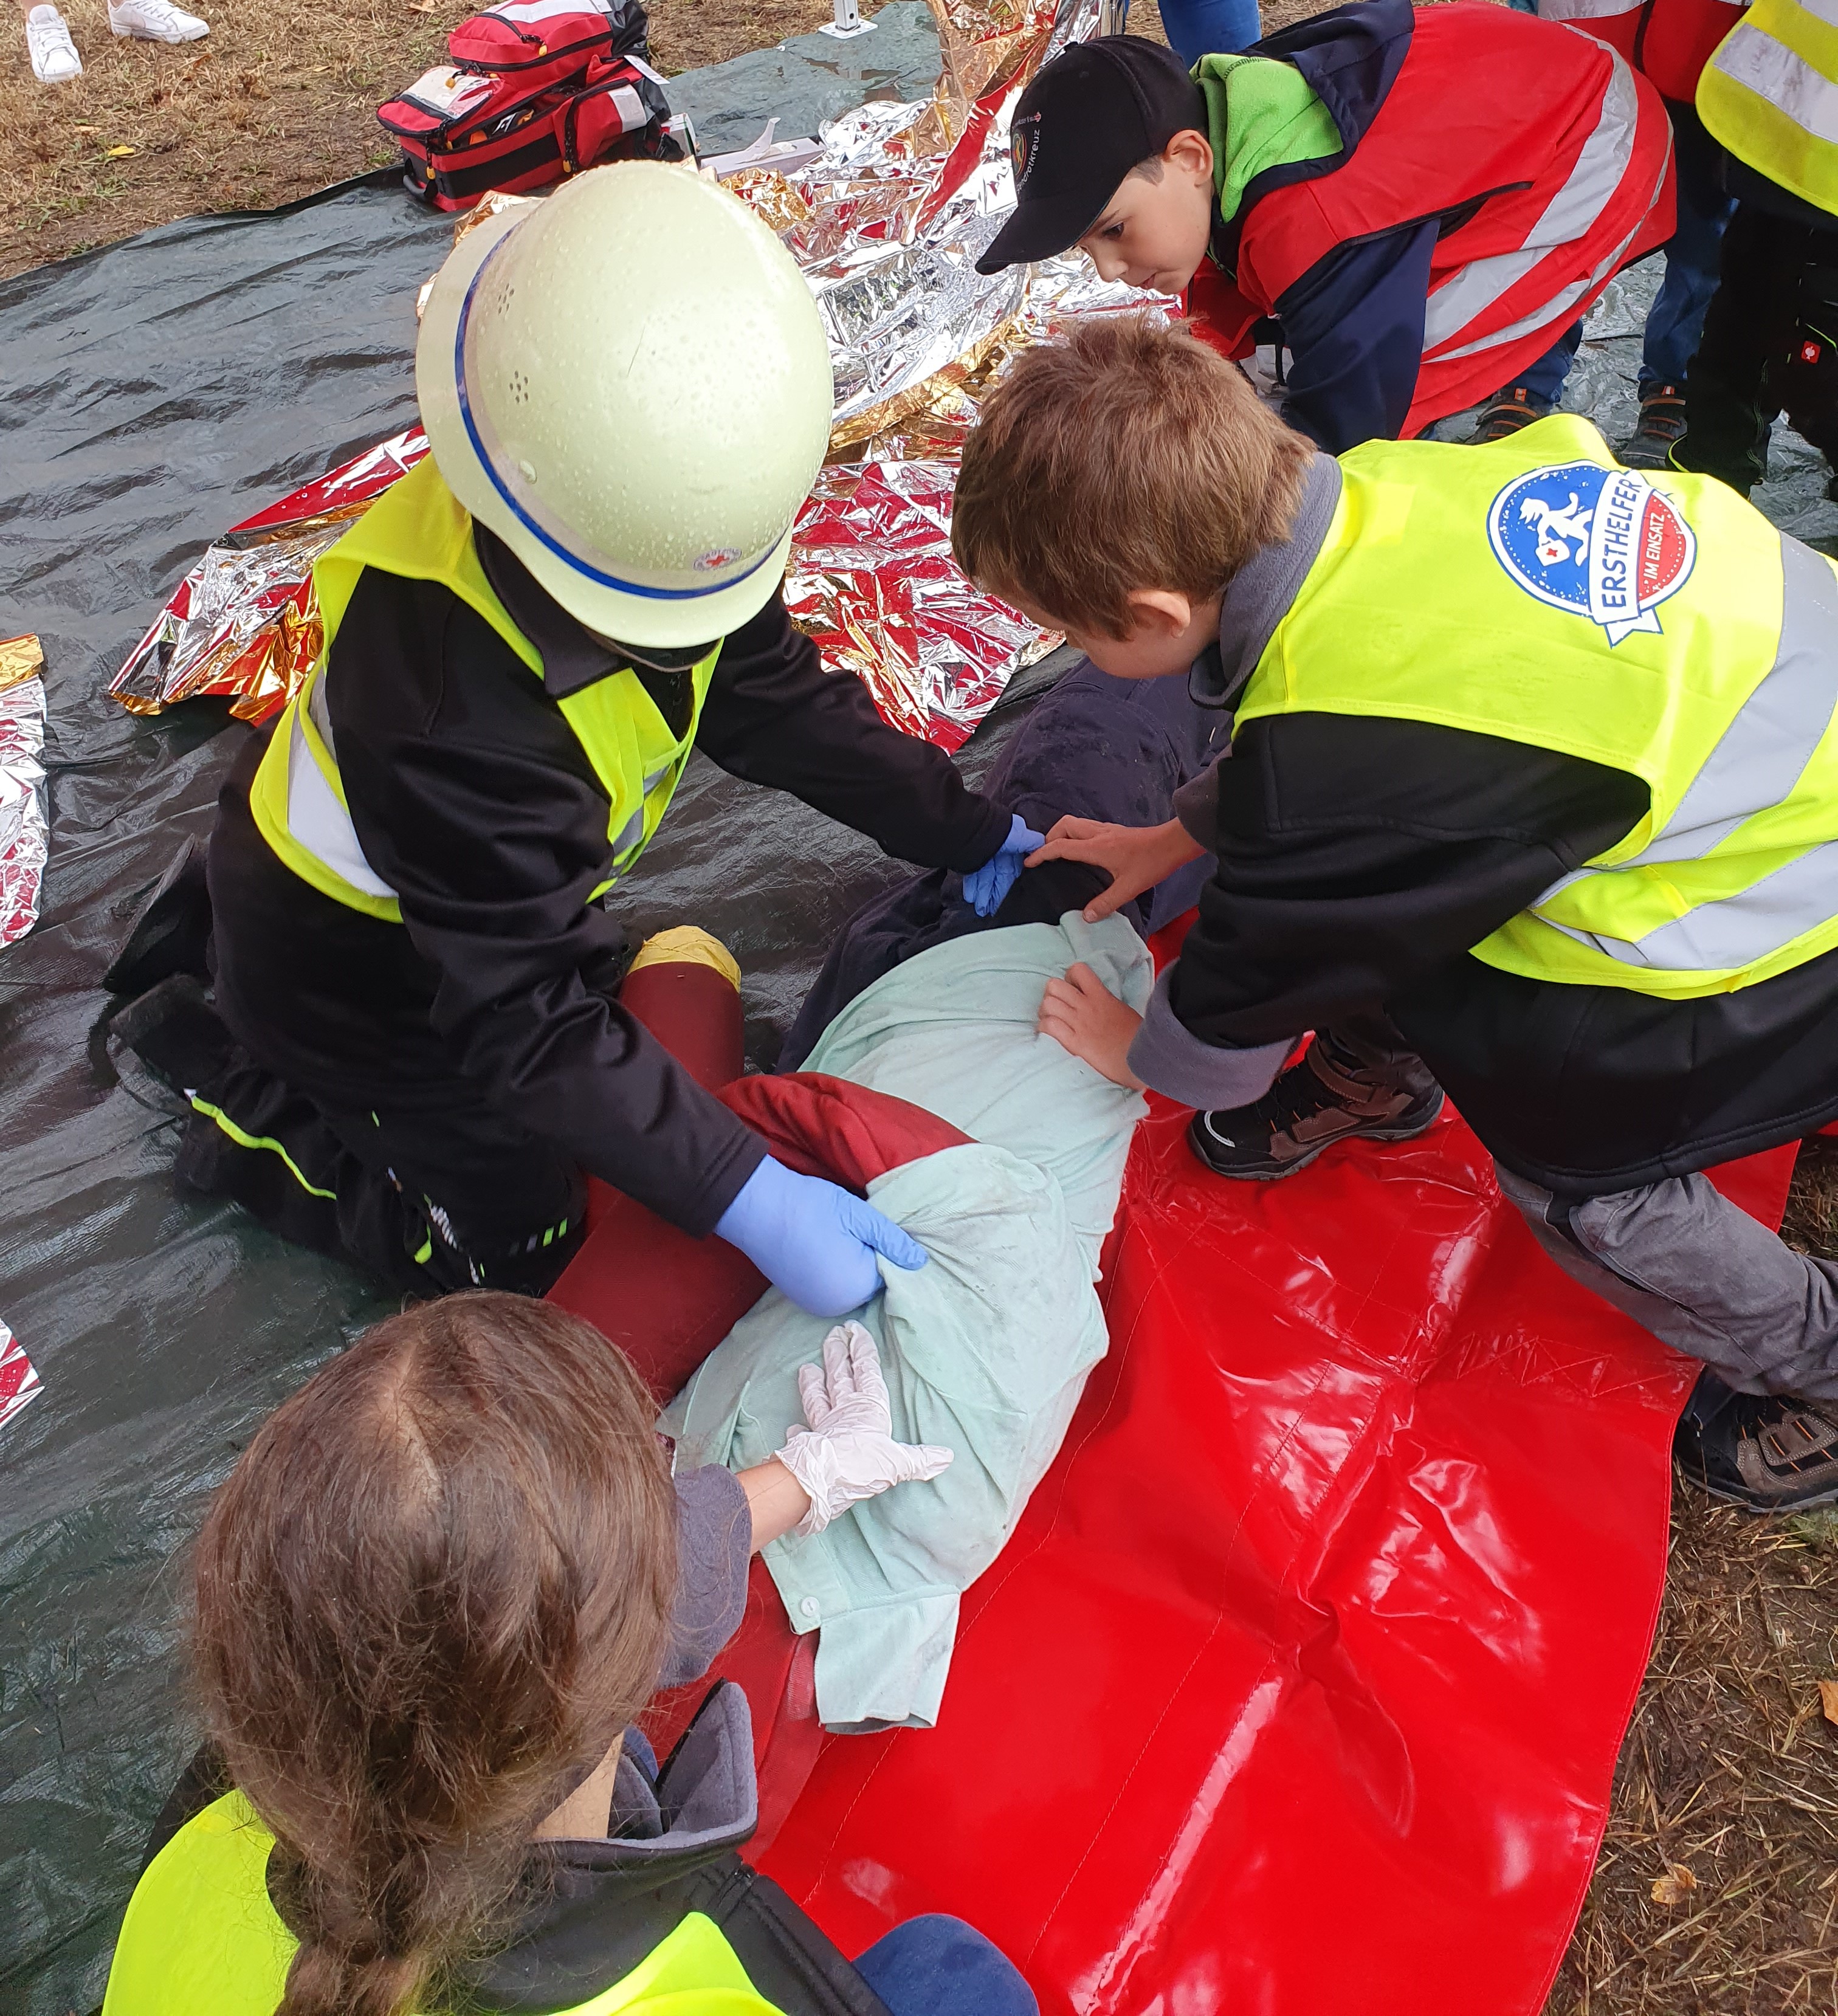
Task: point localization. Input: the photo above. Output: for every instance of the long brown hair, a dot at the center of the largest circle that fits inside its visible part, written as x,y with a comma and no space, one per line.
430,1597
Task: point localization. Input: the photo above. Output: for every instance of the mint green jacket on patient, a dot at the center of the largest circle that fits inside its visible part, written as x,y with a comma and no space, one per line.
986,1348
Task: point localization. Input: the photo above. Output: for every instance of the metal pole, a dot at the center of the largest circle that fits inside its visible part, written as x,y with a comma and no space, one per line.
848,23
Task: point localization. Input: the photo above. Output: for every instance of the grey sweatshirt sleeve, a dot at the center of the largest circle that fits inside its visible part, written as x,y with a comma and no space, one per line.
1196,805
1177,1064
715,1545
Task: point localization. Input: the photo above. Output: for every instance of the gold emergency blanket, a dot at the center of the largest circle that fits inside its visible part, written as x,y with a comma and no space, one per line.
886,223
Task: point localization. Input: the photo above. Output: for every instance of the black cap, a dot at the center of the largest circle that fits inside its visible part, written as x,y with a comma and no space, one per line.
1092,114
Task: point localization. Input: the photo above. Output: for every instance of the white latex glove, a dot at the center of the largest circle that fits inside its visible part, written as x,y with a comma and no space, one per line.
848,1452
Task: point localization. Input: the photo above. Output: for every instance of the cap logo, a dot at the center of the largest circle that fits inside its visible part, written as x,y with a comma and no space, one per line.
1024,148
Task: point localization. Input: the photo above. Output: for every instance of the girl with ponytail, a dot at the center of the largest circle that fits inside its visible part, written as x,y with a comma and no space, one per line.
432,1598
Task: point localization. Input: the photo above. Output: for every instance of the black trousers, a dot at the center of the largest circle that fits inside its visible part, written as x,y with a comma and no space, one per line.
1770,345
432,1202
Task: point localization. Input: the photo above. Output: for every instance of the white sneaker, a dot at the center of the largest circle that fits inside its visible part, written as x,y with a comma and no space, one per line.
156,21
54,59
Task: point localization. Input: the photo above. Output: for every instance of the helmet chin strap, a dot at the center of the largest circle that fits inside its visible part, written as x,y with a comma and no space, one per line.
657,657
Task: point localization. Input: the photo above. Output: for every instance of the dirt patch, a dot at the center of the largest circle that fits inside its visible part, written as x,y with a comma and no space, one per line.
1726,1795
273,104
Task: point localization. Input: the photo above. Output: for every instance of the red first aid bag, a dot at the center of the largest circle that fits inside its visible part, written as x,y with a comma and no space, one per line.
537,89
546,41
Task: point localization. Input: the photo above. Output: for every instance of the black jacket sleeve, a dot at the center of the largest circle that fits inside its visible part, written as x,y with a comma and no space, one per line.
1353,323
775,716
473,800
1356,855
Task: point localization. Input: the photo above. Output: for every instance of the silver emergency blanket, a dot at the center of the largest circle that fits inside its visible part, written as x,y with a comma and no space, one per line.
245,622
24,830
886,222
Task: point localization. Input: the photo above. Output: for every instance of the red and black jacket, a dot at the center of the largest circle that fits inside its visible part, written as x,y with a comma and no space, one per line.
1496,173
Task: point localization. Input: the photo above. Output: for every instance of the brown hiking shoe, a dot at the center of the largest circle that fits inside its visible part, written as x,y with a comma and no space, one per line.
1764,1452
1324,1099
1504,417
1662,423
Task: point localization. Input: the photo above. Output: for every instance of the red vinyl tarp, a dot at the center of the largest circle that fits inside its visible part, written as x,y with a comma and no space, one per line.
1299,1687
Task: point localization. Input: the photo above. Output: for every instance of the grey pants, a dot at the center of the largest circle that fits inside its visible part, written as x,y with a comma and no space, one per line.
1700,1274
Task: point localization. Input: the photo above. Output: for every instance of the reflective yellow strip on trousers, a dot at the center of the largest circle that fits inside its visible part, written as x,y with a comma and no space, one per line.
243,1139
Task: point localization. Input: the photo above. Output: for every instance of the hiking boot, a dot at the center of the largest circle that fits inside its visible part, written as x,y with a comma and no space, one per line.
54,55
156,21
1505,416
1325,1098
1758,1450
1661,424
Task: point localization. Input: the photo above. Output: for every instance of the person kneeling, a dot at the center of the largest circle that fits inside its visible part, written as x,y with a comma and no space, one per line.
1531,756
431,1599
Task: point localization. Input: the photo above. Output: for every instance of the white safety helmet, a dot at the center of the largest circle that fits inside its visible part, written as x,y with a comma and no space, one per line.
628,383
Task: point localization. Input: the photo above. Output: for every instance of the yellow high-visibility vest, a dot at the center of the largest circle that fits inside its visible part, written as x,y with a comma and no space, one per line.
1651,621
1769,94
419,530
201,1939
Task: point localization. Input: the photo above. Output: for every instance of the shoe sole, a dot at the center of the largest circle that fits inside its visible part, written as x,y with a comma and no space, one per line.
170,41
1302,1161
1748,1504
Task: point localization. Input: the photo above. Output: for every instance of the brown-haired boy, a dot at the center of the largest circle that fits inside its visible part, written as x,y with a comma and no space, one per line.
1534,770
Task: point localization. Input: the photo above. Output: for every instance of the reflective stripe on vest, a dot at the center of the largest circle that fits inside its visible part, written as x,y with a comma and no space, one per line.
1591,187
1533,591
419,530
1769,94
201,1939
1670,41
1613,19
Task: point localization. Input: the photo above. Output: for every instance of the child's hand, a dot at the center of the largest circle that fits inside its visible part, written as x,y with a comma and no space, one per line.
1082,1015
1137,857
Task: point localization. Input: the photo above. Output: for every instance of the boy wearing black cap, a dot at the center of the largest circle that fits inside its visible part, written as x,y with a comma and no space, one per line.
1427,203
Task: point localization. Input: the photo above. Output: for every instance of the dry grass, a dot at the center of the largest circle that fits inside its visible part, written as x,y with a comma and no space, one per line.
277,101
1730,1770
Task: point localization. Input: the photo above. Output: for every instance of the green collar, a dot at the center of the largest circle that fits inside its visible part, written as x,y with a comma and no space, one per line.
1260,114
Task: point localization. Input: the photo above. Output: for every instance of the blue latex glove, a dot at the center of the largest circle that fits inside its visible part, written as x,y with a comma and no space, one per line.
814,1242
983,887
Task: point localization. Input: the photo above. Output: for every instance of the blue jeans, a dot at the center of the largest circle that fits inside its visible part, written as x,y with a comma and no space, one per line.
1196,28
1676,320
936,1966
1544,379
